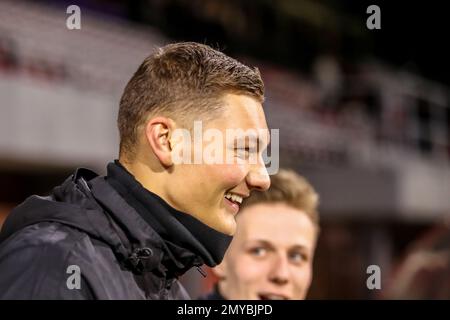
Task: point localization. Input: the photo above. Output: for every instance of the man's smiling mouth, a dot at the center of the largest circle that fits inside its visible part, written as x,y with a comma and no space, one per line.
234,198
234,201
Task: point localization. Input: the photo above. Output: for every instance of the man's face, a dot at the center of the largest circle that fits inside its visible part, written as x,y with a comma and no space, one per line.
204,189
270,256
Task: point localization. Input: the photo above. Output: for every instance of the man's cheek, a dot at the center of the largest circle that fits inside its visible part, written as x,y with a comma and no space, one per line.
252,270
234,173
244,274
303,280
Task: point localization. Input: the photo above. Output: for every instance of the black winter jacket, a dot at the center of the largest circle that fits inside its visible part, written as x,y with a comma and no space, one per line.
85,241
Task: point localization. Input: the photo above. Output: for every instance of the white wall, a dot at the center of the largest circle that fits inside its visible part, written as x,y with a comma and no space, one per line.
54,124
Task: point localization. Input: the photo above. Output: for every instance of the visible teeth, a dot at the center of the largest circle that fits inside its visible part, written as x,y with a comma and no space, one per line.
234,197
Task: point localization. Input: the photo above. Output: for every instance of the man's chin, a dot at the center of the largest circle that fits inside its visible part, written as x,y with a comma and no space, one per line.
226,226
221,220
228,230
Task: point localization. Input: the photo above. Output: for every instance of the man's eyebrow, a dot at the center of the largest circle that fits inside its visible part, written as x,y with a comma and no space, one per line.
299,247
265,243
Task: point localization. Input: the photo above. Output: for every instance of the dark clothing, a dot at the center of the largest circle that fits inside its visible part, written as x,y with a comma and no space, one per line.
213,295
127,242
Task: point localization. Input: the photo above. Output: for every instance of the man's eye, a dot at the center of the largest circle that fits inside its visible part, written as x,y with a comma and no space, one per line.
247,149
258,252
243,152
298,257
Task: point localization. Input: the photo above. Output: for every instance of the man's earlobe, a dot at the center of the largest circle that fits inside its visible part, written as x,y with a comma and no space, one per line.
219,271
158,133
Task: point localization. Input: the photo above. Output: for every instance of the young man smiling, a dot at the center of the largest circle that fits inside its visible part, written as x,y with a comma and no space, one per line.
130,234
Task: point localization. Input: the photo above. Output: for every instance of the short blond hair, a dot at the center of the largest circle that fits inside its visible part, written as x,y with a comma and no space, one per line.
292,189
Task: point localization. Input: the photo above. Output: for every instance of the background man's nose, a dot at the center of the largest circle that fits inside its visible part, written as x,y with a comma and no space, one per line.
279,273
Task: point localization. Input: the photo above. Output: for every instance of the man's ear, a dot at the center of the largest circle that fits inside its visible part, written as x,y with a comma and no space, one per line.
158,132
219,270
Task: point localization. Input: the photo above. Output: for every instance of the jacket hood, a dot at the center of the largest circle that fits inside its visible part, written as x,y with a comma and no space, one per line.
67,205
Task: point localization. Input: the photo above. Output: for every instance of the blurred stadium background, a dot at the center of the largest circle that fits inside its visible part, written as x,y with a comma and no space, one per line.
364,114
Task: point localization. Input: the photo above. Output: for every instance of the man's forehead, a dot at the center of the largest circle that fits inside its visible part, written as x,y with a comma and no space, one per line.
244,106
275,243
245,116
274,223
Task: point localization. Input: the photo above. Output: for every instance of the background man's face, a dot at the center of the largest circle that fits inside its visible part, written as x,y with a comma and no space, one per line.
200,189
270,256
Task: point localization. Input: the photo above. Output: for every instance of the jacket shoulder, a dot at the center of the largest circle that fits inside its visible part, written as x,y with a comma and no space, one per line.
37,261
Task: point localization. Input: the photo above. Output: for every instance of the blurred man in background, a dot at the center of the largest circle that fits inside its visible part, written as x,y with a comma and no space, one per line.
272,252
129,235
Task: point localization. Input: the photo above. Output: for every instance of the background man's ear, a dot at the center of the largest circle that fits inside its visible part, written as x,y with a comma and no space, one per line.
158,132
219,270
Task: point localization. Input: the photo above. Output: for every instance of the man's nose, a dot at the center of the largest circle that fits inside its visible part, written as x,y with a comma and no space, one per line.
279,273
258,178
